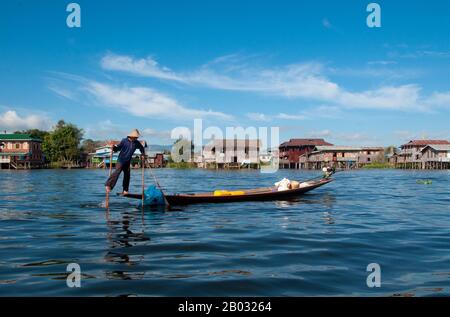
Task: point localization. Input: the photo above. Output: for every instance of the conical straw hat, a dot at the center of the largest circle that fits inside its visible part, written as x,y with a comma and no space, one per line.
134,134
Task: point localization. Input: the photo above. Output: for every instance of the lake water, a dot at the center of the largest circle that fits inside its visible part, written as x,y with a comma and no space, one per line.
318,244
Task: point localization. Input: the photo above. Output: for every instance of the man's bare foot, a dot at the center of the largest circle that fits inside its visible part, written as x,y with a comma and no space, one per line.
124,192
108,189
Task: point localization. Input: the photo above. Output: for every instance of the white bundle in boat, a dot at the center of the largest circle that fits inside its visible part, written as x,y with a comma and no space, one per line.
284,184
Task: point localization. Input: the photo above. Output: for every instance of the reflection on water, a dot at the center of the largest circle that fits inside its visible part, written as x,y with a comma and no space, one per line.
122,239
328,217
317,244
326,200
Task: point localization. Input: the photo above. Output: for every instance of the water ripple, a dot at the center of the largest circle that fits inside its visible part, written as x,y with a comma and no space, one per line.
317,244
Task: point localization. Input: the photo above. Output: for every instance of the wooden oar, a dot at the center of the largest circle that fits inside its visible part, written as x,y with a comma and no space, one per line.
110,171
322,176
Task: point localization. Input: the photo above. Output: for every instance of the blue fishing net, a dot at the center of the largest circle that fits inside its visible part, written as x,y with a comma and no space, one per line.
153,196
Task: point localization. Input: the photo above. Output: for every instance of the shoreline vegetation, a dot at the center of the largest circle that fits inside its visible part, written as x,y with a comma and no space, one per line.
180,165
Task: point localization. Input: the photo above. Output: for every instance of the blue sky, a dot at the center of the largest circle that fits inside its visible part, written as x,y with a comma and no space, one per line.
312,68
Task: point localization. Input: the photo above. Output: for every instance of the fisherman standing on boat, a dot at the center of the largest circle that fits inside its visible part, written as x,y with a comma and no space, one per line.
127,147
328,171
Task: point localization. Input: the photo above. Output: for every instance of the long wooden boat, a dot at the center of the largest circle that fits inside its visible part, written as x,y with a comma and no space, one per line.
266,193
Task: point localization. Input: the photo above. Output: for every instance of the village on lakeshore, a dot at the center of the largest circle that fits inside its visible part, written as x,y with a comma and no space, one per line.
65,148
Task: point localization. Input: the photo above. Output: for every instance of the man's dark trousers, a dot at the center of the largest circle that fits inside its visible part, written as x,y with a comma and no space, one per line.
120,167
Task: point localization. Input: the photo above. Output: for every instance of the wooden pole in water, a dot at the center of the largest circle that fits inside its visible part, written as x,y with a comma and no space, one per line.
110,171
142,178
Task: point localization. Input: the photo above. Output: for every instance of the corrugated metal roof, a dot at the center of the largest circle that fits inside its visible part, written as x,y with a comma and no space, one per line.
425,142
18,137
346,148
336,148
438,147
305,142
13,153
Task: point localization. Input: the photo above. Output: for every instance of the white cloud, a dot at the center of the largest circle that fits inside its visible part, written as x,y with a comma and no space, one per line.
258,117
405,97
62,92
266,118
406,136
296,80
377,70
108,130
104,130
441,99
146,102
143,67
419,54
440,54
355,138
285,116
11,121
319,134
323,111
151,134
383,63
320,111
305,81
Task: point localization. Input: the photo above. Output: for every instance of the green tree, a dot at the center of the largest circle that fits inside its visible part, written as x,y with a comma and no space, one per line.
35,133
63,143
89,145
390,150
